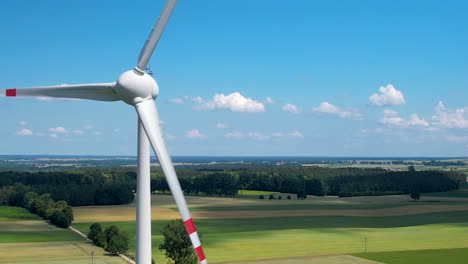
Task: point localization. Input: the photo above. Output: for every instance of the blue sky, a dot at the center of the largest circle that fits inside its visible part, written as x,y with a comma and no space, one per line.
300,77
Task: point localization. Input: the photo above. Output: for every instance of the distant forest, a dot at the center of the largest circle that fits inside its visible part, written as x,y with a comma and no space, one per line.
117,185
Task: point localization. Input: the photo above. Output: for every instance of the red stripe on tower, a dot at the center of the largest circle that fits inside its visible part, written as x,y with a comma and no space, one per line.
200,254
10,92
190,226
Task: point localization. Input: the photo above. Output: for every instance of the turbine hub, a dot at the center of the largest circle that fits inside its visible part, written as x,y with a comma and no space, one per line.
135,86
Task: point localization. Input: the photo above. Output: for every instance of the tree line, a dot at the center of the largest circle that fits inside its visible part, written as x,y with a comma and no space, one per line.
313,181
58,213
80,187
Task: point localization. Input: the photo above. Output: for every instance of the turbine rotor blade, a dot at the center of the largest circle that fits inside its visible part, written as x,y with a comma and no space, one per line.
97,91
155,35
150,119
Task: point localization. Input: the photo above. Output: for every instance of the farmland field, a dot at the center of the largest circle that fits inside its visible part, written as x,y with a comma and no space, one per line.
434,256
27,239
243,229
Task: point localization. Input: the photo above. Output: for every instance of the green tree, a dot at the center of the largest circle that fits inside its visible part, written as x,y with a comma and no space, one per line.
101,240
415,194
117,243
301,194
94,230
411,168
60,219
176,244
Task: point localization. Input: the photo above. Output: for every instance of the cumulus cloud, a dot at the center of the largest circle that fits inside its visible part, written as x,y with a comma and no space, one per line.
391,117
53,135
221,125
177,100
78,132
416,121
88,127
327,108
197,99
269,100
388,96
23,123
234,102
194,133
291,108
450,118
24,132
58,130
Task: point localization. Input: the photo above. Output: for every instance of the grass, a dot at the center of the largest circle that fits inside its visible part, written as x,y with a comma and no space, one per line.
255,193
434,256
27,239
54,253
314,206
263,238
8,213
38,236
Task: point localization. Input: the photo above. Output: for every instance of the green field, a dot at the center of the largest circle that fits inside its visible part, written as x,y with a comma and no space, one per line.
25,238
239,239
434,256
317,206
16,213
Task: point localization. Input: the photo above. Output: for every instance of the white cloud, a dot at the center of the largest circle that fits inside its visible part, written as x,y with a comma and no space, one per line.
221,125
23,123
450,118
177,100
53,135
78,132
197,99
327,108
88,127
194,133
24,132
388,96
97,133
391,117
234,102
58,130
416,121
291,108
269,100
249,135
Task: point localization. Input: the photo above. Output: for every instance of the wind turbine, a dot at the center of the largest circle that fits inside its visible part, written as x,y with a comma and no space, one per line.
138,89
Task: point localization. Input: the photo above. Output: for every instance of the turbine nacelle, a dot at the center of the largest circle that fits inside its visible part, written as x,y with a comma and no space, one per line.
135,86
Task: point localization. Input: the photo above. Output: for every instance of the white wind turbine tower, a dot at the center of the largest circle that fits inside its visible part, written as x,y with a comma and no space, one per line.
138,89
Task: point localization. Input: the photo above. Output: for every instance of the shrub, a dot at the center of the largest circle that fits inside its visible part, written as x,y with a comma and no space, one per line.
289,197
94,230
60,219
271,197
279,197
261,196
176,243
